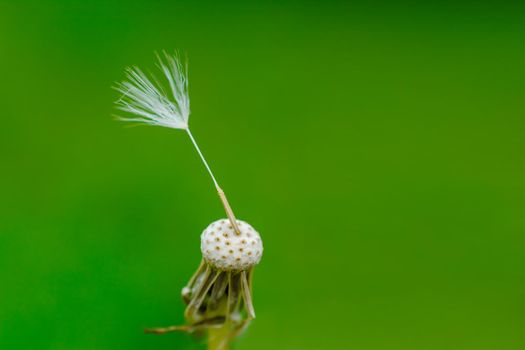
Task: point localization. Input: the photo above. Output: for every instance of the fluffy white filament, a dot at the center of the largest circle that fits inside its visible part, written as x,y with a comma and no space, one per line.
149,102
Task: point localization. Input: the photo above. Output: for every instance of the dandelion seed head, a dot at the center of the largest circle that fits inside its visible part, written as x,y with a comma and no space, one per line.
243,252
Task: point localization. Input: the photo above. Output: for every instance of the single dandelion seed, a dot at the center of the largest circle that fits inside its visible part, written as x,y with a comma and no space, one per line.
219,294
153,106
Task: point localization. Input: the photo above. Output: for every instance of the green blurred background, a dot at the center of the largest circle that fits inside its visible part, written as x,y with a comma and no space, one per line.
377,147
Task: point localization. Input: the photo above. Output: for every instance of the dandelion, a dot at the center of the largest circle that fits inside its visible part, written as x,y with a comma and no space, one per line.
219,294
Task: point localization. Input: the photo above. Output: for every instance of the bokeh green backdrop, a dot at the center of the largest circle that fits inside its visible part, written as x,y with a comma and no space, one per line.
378,148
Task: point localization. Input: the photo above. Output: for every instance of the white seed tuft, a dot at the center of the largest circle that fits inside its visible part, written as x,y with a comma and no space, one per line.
150,103
224,249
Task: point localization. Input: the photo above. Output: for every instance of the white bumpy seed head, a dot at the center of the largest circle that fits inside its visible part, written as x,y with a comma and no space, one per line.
226,250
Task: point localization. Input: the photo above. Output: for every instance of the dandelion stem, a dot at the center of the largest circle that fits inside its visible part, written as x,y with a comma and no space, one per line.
222,196
219,338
